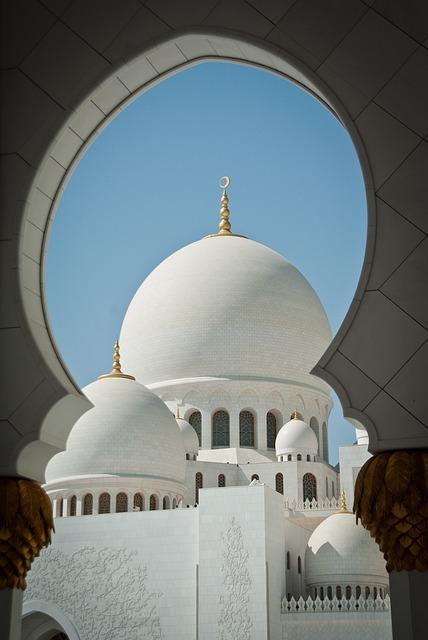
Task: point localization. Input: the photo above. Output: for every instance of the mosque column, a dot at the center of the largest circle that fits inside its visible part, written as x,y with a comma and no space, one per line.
26,523
391,500
205,429
234,426
261,441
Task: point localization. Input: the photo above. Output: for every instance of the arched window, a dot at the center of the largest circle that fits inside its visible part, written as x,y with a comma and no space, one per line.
339,592
324,442
326,487
374,592
288,560
255,477
322,593
348,592
289,457
174,503
121,502
279,483
104,503
195,419
73,505
367,592
138,502
329,593
271,428
60,507
88,503
358,592
153,502
221,480
308,458
165,503
333,494
246,429
314,425
299,565
299,457
220,429
309,487
199,483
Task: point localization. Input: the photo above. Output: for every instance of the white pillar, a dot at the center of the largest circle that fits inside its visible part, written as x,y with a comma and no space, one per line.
206,429
65,508
10,614
234,427
79,506
261,440
409,611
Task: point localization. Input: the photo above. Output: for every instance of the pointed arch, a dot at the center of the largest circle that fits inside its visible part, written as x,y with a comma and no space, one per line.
138,502
271,429
309,487
221,480
88,504
104,503
195,419
73,505
121,502
153,502
279,483
246,428
221,429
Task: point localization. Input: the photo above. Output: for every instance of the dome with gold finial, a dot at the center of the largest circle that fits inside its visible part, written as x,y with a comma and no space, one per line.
296,437
128,432
341,554
225,307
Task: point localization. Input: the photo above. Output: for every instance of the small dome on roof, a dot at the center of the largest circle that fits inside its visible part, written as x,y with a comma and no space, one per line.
342,552
296,436
128,432
190,438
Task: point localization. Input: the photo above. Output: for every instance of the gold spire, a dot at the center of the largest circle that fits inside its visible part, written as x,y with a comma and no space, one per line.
342,503
296,415
116,371
224,228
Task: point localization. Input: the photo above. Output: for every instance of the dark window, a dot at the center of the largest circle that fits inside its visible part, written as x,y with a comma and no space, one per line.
289,457
255,477
358,591
104,503
73,505
348,592
279,483
221,480
220,429
153,502
299,565
299,457
339,592
246,429
138,502
199,483
195,419
88,503
329,593
165,503
367,590
61,507
322,593
308,458
271,427
121,502
288,560
309,487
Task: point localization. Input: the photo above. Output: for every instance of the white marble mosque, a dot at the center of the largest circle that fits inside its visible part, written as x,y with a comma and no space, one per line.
195,500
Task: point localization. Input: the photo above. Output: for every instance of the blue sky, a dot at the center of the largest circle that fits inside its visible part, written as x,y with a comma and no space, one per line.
149,185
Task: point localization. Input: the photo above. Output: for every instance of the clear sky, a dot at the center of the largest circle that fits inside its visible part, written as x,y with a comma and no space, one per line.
149,185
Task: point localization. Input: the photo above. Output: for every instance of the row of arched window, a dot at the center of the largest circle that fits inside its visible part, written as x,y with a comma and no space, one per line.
220,435
220,429
121,504
199,483
348,592
299,562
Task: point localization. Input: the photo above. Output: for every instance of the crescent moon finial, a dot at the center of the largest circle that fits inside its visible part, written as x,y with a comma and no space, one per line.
224,228
224,182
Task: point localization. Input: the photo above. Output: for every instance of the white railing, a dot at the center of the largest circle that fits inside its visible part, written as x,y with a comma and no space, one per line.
313,505
336,604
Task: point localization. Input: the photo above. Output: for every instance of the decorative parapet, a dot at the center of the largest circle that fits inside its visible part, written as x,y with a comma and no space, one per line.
342,605
328,504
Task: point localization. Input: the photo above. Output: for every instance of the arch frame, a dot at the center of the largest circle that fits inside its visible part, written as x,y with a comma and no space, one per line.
54,616
35,447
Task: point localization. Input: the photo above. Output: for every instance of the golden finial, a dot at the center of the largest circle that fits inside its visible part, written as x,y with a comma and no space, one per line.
116,371
342,503
296,415
224,228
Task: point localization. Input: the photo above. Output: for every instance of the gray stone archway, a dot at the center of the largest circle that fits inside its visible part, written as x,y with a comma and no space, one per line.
84,66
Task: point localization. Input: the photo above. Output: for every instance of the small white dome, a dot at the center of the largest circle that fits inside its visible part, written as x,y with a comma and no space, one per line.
340,551
190,438
129,431
296,437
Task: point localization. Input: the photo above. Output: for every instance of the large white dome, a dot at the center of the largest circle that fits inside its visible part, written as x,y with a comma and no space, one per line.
128,432
296,436
225,306
340,552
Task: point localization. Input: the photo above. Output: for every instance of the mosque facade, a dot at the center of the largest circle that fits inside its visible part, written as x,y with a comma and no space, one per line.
195,500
